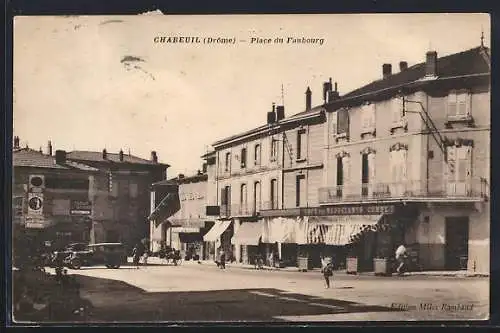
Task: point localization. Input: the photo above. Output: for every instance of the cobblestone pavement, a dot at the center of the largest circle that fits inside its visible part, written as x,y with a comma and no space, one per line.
192,292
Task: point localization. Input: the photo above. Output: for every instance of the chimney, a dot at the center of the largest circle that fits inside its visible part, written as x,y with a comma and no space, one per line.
104,154
181,176
49,148
16,142
154,157
327,88
308,99
333,94
386,70
60,157
271,116
121,155
403,65
280,112
431,63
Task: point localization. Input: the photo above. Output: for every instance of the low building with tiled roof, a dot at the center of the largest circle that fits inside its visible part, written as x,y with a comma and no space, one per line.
106,193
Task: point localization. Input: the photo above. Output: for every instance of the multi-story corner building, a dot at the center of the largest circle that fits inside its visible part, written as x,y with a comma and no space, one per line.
412,148
268,168
120,194
403,159
51,197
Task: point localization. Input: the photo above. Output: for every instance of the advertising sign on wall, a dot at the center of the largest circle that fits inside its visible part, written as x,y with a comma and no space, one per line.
81,207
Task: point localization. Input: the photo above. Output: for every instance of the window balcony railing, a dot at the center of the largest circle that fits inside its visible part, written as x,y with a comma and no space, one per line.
477,188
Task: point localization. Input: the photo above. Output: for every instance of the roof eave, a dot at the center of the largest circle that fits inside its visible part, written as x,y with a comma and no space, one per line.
415,83
262,129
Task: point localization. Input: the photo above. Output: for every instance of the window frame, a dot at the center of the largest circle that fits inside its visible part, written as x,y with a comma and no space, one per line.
301,143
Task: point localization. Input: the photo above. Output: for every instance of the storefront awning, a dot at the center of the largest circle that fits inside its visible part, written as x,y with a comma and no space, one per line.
190,237
338,230
213,234
280,230
249,233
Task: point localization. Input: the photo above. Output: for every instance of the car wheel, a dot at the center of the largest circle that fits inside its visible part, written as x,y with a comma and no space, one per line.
116,266
109,266
76,264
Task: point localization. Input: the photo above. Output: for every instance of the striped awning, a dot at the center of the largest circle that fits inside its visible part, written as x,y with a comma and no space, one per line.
213,234
338,230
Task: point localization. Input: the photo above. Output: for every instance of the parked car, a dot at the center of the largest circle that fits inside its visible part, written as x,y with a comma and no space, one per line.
61,255
112,255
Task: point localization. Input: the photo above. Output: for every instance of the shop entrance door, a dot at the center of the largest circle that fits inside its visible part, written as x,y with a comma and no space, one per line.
457,241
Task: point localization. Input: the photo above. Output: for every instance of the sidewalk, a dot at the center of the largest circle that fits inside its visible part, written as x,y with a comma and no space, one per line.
461,274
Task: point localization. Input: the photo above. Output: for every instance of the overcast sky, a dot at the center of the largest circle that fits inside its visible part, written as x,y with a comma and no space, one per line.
89,83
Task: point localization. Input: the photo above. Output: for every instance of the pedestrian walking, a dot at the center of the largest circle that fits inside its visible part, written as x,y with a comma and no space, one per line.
327,270
136,255
400,255
222,259
271,259
145,257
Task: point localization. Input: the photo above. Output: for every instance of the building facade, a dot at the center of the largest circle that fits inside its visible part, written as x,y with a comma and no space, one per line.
274,167
120,194
418,141
404,159
51,198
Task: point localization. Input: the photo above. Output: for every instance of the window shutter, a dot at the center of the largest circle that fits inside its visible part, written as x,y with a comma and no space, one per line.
462,104
343,121
469,163
223,196
468,101
364,117
404,164
451,163
452,104
397,110
346,166
371,168
372,116
228,199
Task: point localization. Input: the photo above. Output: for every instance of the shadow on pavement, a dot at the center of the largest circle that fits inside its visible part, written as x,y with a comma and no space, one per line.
117,301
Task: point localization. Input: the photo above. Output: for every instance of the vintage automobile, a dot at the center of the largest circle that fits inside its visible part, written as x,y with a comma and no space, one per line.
61,255
112,255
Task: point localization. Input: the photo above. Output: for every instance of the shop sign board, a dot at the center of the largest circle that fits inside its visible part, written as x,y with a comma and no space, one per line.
362,209
81,207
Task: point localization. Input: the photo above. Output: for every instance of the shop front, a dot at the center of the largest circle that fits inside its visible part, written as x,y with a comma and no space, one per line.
248,237
219,237
189,241
364,232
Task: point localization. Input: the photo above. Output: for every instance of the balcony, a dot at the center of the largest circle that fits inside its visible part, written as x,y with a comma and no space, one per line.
245,210
416,190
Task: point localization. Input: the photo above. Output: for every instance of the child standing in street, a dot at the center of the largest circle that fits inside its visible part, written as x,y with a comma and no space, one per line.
327,270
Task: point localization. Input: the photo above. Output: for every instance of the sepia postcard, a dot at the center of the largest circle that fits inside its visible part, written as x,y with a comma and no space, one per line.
251,168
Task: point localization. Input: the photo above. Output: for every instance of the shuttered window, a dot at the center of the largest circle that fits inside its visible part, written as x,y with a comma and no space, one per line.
343,121
459,104
368,118
397,110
